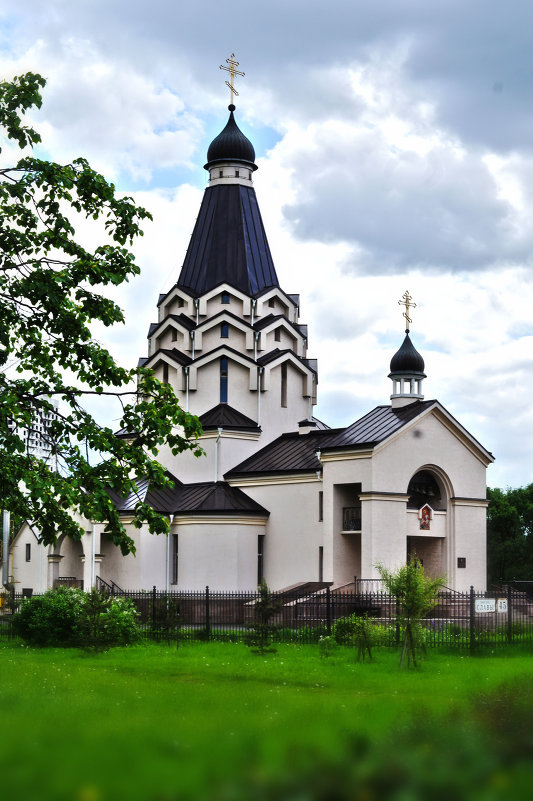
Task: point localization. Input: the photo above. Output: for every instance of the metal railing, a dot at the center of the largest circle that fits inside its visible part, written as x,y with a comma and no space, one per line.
460,619
351,518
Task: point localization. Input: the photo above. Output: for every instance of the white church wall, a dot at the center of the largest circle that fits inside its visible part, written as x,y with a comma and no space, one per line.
294,533
212,338
428,442
275,418
30,574
470,543
221,554
383,534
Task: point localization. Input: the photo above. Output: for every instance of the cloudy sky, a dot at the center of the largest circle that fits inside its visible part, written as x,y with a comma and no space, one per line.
395,146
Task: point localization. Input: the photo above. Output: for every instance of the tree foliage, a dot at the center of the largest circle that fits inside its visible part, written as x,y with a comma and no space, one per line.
416,594
49,298
510,534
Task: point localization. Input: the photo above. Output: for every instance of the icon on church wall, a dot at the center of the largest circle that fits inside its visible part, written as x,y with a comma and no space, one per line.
425,514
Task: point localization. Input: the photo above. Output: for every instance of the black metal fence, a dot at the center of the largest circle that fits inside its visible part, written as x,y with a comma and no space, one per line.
463,620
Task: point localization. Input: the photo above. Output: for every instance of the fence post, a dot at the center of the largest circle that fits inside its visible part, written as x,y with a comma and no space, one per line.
328,611
397,605
509,615
207,620
472,618
154,616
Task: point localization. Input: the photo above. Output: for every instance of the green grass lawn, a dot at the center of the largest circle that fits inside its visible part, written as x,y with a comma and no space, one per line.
213,721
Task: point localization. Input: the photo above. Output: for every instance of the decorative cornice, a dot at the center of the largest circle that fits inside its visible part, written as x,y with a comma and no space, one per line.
220,520
344,456
401,497
265,481
481,502
229,434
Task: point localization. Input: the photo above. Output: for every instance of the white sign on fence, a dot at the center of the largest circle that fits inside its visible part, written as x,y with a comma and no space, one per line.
485,605
502,605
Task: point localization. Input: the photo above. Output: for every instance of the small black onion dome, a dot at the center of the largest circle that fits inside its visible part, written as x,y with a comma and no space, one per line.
231,145
407,361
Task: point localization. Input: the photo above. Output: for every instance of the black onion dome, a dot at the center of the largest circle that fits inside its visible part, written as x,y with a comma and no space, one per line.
231,145
407,360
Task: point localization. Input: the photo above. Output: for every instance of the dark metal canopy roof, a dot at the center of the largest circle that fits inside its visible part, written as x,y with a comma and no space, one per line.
202,498
228,244
225,416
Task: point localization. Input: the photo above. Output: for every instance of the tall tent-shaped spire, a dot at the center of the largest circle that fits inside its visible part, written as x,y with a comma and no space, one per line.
229,243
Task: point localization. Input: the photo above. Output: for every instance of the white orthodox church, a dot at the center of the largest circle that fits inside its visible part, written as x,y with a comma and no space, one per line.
278,494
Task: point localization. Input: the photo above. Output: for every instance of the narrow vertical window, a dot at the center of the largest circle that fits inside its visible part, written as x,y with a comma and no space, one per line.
220,173
260,558
321,563
272,302
174,559
224,298
277,335
284,384
320,506
28,552
165,373
224,330
237,173
174,335
224,380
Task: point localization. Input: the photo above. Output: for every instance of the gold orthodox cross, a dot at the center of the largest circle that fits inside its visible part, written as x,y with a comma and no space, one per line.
406,301
233,72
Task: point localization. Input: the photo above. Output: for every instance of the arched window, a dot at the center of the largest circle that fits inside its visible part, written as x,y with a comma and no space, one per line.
224,379
424,489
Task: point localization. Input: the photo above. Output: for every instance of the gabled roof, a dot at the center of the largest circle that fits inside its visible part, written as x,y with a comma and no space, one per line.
203,498
297,452
225,416
228,244
272,355
173,354
182,319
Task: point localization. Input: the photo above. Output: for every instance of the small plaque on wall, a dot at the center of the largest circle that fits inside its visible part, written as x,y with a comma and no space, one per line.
461,561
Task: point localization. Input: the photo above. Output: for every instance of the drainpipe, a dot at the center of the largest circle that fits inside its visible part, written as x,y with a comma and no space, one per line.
256,340
216,453
311,396
197,307
6,522
186,388
170,521
259,374
93,560
192,340
254,304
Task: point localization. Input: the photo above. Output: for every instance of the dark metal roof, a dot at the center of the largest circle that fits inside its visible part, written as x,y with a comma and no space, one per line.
231,145
173,353
271,318
407,360
311,364
289,453
182,319
216,498
224,416
228,244
203,498
297,452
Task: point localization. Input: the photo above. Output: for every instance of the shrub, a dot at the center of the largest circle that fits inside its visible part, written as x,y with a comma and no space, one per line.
71,618
326,646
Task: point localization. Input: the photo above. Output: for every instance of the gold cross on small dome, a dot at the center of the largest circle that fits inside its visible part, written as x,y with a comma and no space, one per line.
233,72
406,301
